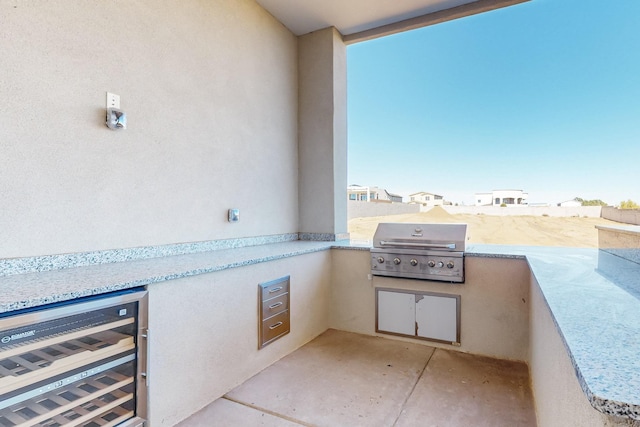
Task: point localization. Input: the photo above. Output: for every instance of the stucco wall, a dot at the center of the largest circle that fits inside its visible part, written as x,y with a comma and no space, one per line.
322,132
204,331
210,91
494,302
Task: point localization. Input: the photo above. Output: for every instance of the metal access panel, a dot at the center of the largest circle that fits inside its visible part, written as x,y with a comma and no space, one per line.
396,312
416,314
438,317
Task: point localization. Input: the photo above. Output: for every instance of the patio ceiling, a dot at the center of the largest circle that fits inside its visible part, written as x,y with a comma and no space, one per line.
364,19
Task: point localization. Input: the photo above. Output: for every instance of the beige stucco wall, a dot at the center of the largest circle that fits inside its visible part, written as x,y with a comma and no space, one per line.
559,398
210,91
494,302
323,132
204,331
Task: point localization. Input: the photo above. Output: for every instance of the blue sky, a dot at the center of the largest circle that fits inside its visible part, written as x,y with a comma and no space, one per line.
543,96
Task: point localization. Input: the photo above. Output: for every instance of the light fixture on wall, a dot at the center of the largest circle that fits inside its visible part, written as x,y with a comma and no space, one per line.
116,118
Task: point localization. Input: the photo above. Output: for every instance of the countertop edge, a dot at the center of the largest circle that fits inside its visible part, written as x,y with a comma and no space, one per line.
625,229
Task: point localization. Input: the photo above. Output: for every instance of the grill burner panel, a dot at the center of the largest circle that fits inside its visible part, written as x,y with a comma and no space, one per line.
418,265
419,251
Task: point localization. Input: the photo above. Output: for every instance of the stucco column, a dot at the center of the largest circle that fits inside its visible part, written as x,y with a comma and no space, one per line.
322,135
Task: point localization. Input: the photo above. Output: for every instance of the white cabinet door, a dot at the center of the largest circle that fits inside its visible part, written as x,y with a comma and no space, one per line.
437,317
397,312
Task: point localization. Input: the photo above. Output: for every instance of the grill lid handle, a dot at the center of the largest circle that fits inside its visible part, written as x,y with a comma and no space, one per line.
419,245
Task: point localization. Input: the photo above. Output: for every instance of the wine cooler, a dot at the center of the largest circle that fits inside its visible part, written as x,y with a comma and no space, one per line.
76,364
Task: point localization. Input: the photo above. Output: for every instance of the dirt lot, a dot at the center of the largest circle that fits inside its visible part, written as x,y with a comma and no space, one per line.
507,230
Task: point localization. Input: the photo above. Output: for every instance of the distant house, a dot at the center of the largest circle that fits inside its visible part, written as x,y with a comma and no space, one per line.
500,197
483,199
570,203
371,194
426,199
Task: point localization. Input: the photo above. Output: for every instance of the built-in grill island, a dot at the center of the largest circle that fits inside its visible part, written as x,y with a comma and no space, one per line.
429,252
419,251
78,364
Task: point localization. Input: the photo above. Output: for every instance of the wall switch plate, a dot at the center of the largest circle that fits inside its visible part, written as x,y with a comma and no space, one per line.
234,215
116,118
113,100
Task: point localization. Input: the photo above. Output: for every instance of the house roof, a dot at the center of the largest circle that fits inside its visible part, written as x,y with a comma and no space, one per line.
363,19
424,192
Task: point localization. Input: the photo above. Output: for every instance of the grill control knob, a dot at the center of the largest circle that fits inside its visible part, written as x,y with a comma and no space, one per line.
431,263
396,261
380,260
414,262
440,264
450,264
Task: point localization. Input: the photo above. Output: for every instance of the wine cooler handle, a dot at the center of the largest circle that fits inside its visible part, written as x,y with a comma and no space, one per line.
147,336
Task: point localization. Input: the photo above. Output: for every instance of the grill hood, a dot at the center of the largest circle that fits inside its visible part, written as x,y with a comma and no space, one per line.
441,237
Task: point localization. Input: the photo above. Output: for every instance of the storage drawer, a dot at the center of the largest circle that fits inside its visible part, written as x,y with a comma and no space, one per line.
275,327
274,306
273,310
274,288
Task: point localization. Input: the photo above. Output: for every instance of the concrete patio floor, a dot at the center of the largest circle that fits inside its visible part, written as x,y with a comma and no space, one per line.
346,379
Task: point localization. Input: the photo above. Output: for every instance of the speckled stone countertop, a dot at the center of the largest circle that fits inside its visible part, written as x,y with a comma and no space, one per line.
594,297
27,290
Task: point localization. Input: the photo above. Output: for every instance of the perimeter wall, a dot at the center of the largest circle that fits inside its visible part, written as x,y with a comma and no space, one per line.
356,209
556,211
627,216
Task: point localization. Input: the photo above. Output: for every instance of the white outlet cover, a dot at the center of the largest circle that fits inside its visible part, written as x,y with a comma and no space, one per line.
113,100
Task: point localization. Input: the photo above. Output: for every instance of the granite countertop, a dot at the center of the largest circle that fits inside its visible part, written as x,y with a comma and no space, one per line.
593,297
28,290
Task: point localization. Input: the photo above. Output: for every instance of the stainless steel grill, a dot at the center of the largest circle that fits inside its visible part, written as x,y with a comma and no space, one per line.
419,251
